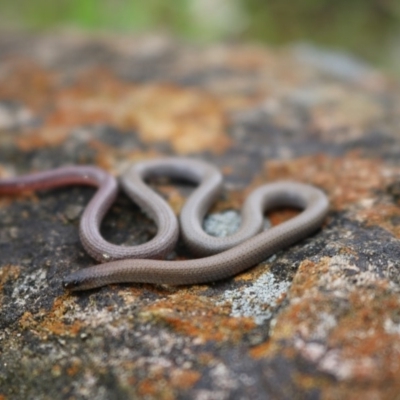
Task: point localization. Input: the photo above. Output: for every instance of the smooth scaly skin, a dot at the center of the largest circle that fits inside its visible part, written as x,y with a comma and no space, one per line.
89,230
209,181
227,263
222,265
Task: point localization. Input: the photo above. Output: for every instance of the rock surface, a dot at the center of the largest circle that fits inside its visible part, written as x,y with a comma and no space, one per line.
318,320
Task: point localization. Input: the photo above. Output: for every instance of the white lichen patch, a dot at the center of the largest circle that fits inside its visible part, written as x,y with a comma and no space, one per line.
336,364
343,276
258,300
225,223
93,318
311,351
322,326
31,283
391,328
223,378
222,224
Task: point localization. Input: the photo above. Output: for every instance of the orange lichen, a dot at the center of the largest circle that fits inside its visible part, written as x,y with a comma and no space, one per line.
8,272
51,322
162,382
75,367
277,217
261,350
189,119
193,315
156,388
307,276
252,274
28,83
147,387
108,156
347,180
45,137
382,215
341,109
368,333
350,391
361,340
184,379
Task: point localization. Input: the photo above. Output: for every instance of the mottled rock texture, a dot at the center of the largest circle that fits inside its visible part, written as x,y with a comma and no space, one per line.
320,320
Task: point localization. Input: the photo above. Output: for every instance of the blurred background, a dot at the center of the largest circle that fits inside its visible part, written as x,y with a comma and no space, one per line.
367,28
